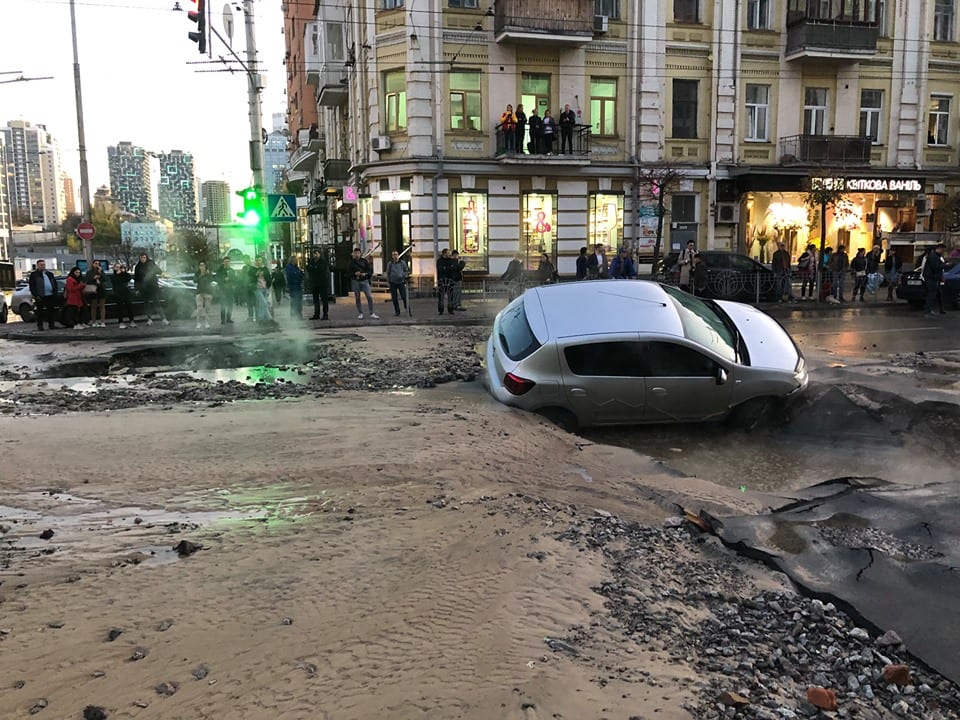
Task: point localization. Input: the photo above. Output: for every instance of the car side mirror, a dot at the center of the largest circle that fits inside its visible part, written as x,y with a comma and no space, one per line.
721,375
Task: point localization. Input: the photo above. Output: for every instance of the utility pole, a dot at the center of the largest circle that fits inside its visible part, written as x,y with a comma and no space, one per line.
81,137
254,85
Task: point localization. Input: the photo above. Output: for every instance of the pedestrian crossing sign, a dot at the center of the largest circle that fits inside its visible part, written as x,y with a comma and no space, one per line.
282,208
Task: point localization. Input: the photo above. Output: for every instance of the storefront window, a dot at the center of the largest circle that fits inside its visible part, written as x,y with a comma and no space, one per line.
539,228
605,223
364,223
470,230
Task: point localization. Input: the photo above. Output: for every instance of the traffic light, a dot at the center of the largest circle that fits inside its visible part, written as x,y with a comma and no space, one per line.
200,18
254,210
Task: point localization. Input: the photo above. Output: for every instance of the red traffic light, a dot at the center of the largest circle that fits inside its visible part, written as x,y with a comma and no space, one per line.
200,18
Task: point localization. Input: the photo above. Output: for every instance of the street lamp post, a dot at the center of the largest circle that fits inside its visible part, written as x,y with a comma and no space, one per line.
81,137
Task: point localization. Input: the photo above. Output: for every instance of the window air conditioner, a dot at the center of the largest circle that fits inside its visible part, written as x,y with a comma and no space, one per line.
601,23
380,143
728,213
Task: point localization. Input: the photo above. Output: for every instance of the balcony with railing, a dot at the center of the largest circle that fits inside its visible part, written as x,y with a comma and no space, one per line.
510,148
544,21
843,29
816,150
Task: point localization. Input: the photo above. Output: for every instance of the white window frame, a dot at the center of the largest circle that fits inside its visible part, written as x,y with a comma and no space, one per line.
939,119
816,114
465,4
610,8
944,20
390,4
757,115
758,14
882,18
871,117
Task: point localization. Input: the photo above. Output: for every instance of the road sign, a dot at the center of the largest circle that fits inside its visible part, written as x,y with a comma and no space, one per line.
282,208
86,231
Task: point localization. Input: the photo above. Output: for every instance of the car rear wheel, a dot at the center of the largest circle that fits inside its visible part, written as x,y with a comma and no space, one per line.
561,417
4,312
26,312
750,414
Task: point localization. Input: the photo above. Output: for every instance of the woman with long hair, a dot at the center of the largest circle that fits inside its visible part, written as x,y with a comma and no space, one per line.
98,297
73,305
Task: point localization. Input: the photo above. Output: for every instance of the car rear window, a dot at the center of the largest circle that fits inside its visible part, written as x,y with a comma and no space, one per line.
516,337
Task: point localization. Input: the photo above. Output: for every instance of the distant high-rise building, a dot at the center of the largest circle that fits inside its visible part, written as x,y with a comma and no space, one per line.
275,160
130,178
69,195
178,188
6,225
215,202
32,167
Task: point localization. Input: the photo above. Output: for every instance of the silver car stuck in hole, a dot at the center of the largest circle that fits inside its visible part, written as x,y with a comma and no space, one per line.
615,352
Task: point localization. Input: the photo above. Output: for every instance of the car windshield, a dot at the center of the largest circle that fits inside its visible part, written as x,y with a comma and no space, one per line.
703,324
516,336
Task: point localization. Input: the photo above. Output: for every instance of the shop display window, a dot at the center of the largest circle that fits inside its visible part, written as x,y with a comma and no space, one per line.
470,229
605,221
539,228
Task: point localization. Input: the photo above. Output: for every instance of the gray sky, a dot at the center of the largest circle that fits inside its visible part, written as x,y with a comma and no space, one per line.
136,83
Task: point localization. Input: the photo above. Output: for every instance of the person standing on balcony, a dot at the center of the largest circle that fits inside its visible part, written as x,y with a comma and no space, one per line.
549,132
536,133
568,118
508,129
521,129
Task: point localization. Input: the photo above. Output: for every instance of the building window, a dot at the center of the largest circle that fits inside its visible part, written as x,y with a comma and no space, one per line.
686,11
758,14
464,4
395,95
535,93
814,111
603,106
939,125
882,18
335,41
605,221
871,102
943,20
470,230
758,111
610,8
465,100
390,4
539,228
685,108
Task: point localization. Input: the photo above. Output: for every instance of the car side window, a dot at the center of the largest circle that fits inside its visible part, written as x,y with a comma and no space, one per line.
742,264
606,359
671,360
716,262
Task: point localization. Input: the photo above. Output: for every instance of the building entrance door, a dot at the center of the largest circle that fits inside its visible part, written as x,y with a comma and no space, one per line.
396,230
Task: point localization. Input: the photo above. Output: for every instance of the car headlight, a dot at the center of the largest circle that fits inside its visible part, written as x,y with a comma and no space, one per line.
800,372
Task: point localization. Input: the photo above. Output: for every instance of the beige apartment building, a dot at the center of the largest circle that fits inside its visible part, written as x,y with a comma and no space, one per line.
746,99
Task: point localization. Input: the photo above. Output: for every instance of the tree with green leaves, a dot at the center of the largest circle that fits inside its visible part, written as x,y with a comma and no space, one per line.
190,248
107,223
823,193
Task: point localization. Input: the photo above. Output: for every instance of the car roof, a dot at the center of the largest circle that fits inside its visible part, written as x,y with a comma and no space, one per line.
595,307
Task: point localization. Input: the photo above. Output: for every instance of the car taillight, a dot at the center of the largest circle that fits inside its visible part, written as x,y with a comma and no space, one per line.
516,385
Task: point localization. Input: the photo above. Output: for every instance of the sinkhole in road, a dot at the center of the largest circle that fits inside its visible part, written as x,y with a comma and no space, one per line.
831,432
261,360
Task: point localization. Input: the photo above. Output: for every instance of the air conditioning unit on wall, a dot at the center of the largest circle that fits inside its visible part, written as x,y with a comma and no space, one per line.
601,23
728,213
380,143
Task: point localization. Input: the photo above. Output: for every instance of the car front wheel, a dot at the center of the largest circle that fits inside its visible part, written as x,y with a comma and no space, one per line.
4,312
750,414
26,312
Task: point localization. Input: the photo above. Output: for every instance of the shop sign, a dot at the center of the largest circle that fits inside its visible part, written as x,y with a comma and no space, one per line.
869,184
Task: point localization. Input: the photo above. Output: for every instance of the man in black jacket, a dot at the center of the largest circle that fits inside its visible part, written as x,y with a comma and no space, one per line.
360,272
445,274
932,277
226,286
146,279
456,294
536,133
568,118
46,294
318,275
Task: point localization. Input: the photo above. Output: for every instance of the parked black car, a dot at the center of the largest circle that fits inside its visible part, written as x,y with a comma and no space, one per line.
730,276
910,286
176,299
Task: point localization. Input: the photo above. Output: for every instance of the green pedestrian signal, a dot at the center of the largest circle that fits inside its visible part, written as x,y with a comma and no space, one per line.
253,207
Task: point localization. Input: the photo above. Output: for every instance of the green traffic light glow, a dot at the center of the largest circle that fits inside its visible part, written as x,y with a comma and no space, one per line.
250,217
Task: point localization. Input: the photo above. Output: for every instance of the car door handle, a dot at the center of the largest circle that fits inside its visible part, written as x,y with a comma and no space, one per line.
658,391
578,392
